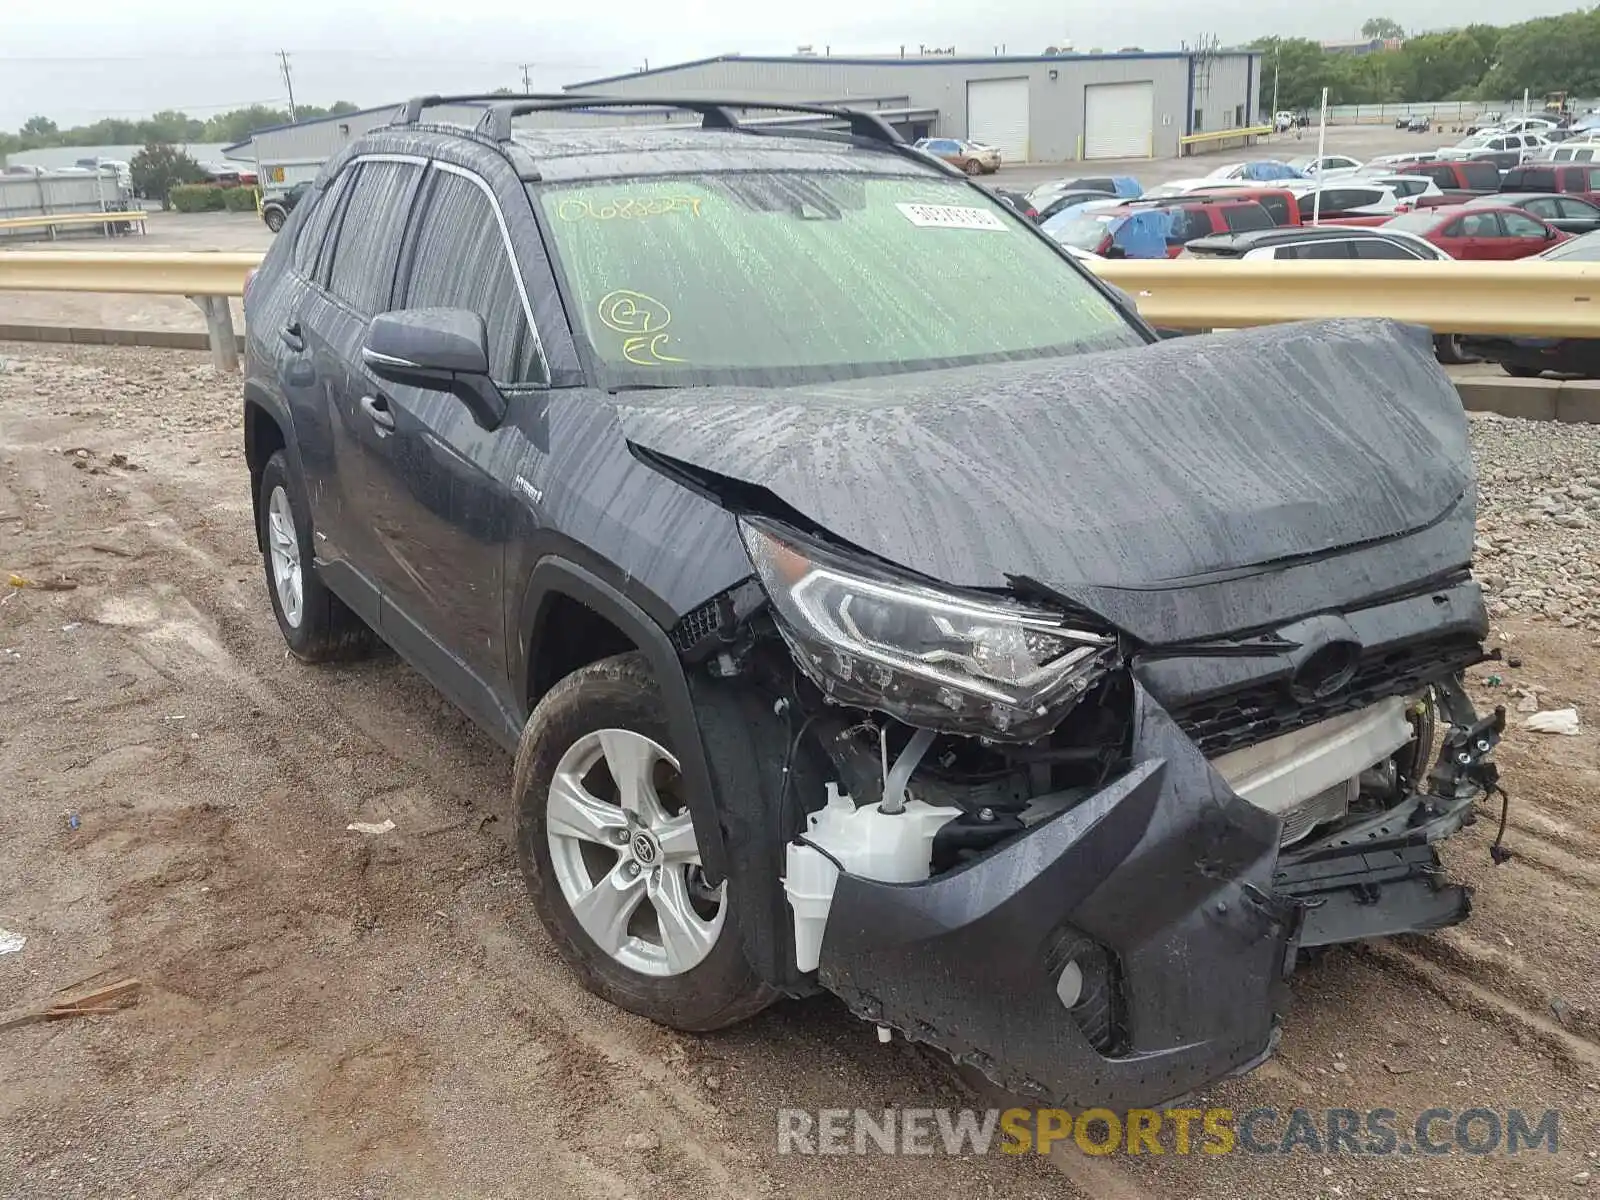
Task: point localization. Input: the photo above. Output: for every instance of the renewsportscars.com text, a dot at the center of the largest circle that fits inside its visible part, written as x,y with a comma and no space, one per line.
1179,1131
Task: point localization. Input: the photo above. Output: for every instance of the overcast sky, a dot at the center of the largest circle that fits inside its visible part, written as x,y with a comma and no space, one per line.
94,58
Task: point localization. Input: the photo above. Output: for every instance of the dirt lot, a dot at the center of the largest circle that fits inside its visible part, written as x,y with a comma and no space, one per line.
328,1014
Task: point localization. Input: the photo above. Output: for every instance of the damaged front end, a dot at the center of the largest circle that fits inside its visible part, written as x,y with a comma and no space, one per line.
1083,864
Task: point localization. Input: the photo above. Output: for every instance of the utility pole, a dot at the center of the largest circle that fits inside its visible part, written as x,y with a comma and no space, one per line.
527,85
288,80
1277,57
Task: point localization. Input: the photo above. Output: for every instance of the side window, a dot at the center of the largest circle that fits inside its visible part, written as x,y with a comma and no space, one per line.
1594,179
1481,225
368,246
1330,249
312,234
1574,208
1445,177
1480,176
1542,208
1277,208
1380,248
460,259
1455,229
1511,181
1539,181
1583,154
1518,225
1238,217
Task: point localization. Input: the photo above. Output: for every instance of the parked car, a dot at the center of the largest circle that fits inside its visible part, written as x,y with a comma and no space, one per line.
1117,185
1154,228
1018,201
1457,181
1529,356
1081,701
1487,120
1282,121
1552,177
1350,200
1393,162
1261,170
971,157
1278,201
1329,166
1065,201
1566,212
1504,150
1419,125
1479,233
1566,152
1336,242
275,210
1408,188
1539,125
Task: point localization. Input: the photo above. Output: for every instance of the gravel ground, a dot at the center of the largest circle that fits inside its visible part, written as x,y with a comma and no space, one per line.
328,1014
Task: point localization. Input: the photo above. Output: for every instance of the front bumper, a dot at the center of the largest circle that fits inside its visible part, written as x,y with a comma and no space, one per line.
1171,887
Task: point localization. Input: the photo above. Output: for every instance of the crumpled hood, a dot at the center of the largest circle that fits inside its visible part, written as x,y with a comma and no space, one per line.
1158,468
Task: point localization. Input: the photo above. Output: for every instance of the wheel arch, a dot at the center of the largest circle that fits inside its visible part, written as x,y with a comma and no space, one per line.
267,430
554,587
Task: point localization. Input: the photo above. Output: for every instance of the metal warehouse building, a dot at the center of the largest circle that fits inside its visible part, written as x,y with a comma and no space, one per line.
1053,108
1040,109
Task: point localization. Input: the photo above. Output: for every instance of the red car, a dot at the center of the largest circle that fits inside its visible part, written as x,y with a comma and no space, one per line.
1111,232
1480,233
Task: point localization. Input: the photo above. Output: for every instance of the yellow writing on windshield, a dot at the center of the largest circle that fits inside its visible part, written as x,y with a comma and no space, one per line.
643,321
577,208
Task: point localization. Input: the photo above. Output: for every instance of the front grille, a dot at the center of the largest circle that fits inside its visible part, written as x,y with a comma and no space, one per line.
1261,711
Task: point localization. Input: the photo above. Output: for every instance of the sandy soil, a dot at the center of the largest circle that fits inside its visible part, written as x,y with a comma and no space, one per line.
331,1014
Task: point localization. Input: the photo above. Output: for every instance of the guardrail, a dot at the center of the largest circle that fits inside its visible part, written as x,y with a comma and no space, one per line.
1190,140
49,221
1553,299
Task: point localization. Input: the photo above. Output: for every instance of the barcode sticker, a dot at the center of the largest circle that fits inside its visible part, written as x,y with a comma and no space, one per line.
950,216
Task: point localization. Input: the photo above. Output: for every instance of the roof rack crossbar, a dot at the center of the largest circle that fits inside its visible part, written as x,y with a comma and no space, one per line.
714,113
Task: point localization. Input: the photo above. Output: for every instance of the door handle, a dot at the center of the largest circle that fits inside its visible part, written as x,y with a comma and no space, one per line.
377,408
290,334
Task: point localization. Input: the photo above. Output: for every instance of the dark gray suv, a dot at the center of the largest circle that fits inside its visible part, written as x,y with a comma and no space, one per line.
871,601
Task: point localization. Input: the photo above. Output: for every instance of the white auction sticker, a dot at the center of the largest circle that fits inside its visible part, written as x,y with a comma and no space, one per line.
950,216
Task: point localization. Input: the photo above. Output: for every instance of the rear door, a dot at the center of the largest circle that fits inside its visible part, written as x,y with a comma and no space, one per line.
1457,240
1578,215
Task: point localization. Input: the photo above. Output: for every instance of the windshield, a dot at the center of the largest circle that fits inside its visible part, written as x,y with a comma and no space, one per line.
1081,230
824,275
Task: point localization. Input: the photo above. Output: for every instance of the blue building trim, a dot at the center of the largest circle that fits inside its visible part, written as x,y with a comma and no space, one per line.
937,61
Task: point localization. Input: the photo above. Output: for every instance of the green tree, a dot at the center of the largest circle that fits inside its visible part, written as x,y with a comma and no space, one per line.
39,127
160,167
1381,27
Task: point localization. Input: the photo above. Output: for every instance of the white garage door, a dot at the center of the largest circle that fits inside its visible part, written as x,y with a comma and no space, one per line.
997,115
1118,120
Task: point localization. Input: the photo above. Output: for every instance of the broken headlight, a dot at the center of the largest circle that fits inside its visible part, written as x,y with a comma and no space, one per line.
960,662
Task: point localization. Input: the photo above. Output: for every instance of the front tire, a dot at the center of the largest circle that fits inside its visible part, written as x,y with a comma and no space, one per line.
274,217
315,623
972,167
609,855
1447,349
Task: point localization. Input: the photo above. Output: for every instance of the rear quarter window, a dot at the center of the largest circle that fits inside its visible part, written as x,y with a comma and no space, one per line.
1481,176
1239,217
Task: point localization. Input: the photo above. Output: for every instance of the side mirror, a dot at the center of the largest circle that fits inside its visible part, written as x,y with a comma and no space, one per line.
442,349
1549,235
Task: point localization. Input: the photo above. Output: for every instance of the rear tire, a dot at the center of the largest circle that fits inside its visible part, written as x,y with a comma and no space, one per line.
274,217
1447,349
315,623
972,167
673,949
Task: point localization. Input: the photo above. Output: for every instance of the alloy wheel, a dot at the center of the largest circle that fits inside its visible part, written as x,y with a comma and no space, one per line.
624,854
283,541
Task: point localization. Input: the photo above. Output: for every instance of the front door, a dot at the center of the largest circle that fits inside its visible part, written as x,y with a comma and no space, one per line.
440,501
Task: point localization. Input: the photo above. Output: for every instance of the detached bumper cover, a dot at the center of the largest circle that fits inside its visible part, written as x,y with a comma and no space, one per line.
1178,886
1166,870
